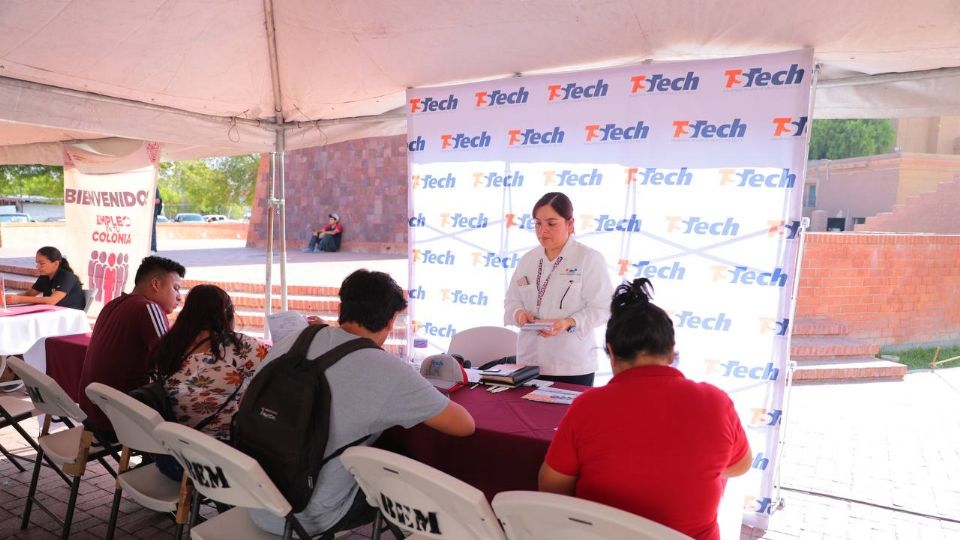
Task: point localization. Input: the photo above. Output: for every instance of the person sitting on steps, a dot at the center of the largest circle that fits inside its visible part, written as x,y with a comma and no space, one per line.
327,238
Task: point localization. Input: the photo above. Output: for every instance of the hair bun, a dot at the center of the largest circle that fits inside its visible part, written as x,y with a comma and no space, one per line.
631,294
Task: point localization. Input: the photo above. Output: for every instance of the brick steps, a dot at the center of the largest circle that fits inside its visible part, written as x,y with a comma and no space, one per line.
824,354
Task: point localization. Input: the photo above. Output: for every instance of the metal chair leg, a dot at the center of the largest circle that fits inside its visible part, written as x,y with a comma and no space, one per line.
33,490
114,510
12,458
71,506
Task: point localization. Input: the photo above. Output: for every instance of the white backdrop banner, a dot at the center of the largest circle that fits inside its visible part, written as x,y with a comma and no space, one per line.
108,204
687,173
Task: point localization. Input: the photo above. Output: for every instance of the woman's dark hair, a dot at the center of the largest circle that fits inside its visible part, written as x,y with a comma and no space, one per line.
558,201
53,255
370,299
636,325
207,308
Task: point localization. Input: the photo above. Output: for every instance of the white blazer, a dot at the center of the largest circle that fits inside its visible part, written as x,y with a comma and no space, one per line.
579,288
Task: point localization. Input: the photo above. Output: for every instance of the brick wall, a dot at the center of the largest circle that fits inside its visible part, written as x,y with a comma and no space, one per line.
932,212
891,289
363,180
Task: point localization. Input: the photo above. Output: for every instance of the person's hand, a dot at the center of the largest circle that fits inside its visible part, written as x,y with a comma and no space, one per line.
559,326
523,317
313,319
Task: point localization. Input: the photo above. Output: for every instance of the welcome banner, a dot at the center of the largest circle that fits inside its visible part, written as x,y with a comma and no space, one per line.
108,204
687,173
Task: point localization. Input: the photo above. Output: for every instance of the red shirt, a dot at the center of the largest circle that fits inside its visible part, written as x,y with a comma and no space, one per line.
126,329
654,444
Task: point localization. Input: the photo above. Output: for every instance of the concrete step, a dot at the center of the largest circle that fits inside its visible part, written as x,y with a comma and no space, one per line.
818,326
859,369
259,288
806,348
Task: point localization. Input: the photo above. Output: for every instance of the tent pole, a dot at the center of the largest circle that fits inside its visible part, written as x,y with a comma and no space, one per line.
268,271
281,203
280,140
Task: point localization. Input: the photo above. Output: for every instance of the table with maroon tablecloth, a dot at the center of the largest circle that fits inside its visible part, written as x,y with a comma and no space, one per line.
506,451
61,357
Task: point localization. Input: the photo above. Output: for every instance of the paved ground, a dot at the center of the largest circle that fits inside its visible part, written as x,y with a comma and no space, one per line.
871,460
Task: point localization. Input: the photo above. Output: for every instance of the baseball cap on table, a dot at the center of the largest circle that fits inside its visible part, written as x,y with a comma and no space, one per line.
335,216
443,371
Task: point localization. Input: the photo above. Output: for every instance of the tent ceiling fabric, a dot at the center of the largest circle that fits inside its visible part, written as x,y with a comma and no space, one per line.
200,63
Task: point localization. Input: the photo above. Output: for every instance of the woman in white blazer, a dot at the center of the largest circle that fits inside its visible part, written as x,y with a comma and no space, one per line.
564,283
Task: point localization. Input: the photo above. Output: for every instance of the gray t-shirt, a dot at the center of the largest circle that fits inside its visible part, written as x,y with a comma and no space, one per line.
371,391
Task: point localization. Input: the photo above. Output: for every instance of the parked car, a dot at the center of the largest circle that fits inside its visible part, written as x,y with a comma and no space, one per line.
184,218
210,218
15,218
163,219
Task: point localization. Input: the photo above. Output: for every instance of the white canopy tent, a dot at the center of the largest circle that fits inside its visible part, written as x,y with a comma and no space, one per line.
224,77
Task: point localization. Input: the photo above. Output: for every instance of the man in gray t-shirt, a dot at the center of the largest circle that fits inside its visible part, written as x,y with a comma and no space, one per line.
371,391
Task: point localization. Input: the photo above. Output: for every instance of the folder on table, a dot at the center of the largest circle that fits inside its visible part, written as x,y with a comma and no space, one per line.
509,374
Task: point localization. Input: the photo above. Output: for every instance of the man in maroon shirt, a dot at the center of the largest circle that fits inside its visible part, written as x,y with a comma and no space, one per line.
127,328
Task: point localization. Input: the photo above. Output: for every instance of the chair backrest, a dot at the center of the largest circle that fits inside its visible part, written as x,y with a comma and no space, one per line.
482,344
87,299
532,515
221,472
46,394
133,421
421,499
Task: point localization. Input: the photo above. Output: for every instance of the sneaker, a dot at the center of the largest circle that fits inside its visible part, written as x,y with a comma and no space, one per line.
308,251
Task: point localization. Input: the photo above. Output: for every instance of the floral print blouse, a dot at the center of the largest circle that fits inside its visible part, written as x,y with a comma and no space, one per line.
204,383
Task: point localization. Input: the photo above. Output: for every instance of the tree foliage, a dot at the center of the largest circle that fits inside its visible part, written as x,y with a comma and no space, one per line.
31,180
209,186
839,139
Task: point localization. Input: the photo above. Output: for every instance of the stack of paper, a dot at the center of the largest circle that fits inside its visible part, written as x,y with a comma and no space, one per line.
552,395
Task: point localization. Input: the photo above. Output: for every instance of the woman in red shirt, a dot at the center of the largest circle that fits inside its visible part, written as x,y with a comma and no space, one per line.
650,442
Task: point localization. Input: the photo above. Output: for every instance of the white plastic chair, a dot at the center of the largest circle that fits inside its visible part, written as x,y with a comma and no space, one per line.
482,344
420,499
134,423
226,475
12,411
69,449
533,515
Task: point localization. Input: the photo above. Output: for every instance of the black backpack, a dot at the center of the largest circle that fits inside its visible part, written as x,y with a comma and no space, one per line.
284,418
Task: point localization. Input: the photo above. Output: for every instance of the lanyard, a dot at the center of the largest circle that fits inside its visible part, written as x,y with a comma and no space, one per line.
541,289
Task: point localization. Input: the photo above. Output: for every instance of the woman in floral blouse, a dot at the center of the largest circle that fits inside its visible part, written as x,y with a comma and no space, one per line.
206,364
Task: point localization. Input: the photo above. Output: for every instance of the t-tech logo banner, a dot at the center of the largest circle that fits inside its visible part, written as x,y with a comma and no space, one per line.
689,174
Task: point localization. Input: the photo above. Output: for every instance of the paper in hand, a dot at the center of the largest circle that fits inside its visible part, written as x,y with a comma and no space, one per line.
285,323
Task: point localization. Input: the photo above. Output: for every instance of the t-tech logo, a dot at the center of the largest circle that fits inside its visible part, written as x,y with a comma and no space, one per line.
417,145
614,133
433,329
605,223
429,104
735,370
758,77
674,272
789,126
571,178
563,92
429,181
522,221
765,417
778,327
492,179
760,462
781,228
492,260
532,137
417,294
659,177
427,256
496,98
715,323
462,141
417,220
743,276
703,129
750,178
464,221
660,83
459,296
696,225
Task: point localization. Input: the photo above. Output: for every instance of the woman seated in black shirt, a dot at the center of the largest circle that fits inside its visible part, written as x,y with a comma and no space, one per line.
57,283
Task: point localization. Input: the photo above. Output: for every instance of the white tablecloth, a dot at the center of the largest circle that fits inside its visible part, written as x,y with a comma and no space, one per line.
18,333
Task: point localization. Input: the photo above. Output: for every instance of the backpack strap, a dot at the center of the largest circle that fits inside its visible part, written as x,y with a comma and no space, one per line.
334,355
302,344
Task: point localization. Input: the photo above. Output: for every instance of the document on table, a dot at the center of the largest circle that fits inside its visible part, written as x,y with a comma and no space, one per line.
552,395
285,323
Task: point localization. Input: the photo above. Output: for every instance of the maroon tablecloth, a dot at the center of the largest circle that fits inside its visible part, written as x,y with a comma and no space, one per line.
506,451
65,361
